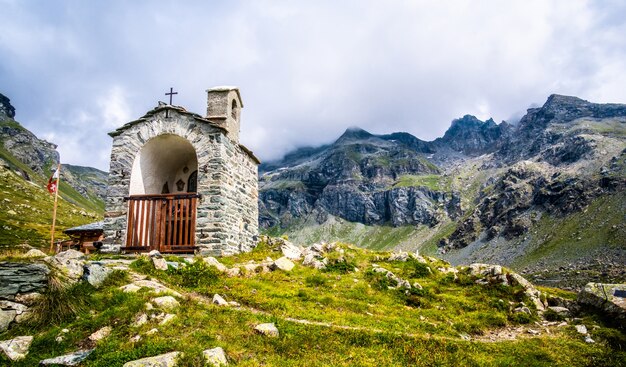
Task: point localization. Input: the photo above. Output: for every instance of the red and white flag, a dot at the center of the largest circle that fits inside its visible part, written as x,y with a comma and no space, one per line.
53,182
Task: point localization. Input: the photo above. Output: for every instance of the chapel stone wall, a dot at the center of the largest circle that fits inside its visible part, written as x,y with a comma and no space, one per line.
227,213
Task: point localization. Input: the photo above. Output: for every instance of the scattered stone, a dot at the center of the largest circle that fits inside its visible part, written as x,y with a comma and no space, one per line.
95,273
268,329
522,309
589,340
485,270
291,251
218,300
399,256
59,338
34,253
6,318
152,331
148,306
140,319
159,263
155,286
16,348
155,253
166,302
130,288
233,272
465,336
163,360
100,334
211,261
533,332
28,299
72,359
135,338
215,357
283,264
167,318
581,329
70,262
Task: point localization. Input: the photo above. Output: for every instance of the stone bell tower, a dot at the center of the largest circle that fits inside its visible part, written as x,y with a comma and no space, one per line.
224,108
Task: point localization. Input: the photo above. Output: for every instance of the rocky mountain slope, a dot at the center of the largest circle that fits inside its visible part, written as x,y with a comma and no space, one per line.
26,163
483,192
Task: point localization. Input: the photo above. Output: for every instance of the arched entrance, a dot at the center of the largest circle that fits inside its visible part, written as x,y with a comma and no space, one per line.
162,200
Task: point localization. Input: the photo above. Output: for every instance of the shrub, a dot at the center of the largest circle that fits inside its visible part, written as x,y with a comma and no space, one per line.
520,318
315,280
196,275
60,302
418,269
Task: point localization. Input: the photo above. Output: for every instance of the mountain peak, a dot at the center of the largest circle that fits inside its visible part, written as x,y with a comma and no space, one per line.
354,133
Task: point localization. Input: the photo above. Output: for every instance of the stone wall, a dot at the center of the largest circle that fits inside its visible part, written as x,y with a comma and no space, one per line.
227,181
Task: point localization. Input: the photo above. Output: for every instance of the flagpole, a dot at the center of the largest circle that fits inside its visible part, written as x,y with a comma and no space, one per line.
54,211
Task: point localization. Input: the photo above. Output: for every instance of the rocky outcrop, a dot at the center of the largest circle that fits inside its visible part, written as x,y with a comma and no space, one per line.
472,136
22,278
39,155
163,360
7,111
510,207
610,299
89,182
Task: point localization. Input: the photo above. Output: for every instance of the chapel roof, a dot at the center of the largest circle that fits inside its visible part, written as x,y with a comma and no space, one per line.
164,106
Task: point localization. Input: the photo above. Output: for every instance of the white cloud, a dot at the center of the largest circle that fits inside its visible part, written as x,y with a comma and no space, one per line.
307,70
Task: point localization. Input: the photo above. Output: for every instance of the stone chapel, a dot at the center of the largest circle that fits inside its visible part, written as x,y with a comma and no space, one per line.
180,182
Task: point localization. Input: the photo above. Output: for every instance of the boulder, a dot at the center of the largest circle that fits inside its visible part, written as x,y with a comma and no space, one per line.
140,319
283,264
21,278
72,359
100,334
610,299
6,318
291,251
399,256
95,273
163,360
159,263
215,357
16,348
166,302
167,318
218,300
581,329
211,261
34,253
233,272
70,262
268,329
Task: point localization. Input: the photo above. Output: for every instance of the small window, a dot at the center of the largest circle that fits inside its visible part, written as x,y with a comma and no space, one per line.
233,110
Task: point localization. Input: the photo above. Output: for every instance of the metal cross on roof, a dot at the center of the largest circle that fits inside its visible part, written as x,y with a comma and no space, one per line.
171,93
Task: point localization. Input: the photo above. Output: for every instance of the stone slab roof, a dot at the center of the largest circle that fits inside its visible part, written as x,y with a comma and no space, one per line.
91,227
162,107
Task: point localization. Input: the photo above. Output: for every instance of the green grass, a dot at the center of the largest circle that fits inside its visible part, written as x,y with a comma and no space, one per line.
432,182
379,326
26,212
563,239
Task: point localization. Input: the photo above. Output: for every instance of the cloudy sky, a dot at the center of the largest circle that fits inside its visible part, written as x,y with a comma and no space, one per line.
307,70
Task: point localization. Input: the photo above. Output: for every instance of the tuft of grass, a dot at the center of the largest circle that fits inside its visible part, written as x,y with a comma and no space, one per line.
60,302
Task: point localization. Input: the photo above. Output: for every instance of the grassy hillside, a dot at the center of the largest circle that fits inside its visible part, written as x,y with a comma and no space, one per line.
26,210
343,316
